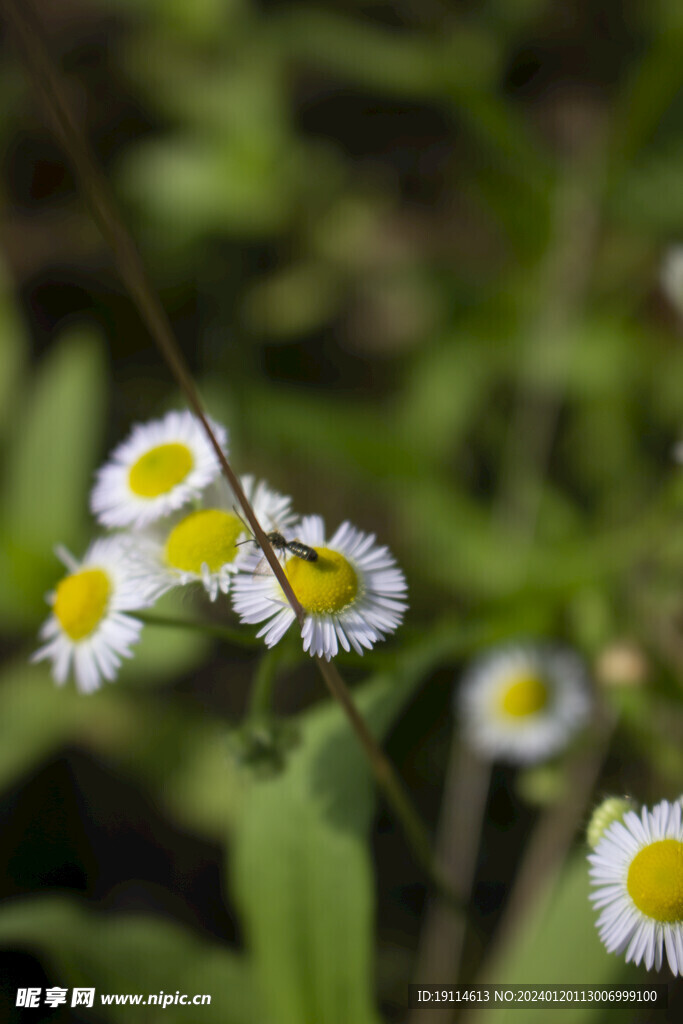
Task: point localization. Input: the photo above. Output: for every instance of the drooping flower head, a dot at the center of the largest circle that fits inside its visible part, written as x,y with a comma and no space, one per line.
204,545
161,466
89,629
523,704
637,878
352,594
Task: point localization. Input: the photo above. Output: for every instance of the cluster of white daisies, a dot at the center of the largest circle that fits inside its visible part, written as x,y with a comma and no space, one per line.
175,524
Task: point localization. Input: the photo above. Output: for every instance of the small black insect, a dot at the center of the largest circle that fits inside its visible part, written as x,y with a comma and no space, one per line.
295,547
282,546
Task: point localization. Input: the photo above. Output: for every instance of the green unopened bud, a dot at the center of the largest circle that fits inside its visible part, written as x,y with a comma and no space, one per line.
262,747
612,809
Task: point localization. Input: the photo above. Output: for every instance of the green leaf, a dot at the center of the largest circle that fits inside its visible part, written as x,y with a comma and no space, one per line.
302,875
306,892
135,954
49,467
558,944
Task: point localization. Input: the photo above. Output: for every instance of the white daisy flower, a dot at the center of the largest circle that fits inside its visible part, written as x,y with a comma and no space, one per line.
522,704
637,876
353,593
88,627
160,467
207,545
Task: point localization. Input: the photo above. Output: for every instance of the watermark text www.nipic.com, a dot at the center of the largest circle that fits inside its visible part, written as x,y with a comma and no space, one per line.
29,998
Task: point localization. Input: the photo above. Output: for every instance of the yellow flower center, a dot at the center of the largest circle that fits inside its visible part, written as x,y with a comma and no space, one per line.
324,586
81,602
204,537
526,696
655,880
160,469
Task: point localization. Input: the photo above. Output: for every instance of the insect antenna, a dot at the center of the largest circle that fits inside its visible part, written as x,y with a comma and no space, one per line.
251,539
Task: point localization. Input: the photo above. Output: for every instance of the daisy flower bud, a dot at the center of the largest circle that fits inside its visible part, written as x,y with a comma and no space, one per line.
88,629
612,809
637,879
350,589
160,467
523,704
622,663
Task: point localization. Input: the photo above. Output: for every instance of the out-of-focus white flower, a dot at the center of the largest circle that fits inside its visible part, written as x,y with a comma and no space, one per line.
523,704
89,629
206,545
161,466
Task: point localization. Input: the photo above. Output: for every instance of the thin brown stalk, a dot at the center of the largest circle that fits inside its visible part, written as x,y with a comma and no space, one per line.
52,92
25,24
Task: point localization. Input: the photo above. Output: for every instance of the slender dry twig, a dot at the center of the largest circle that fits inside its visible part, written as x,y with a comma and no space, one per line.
457,845
49,85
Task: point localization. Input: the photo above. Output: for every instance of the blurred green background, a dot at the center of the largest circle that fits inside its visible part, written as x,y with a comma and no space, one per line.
412,252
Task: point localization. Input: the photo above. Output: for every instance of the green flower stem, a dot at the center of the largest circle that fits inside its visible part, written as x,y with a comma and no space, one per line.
237,637
27,29
261,699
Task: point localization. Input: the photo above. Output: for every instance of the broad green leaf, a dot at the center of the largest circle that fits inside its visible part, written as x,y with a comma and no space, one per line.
49,467
306,893
301,870
137,954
